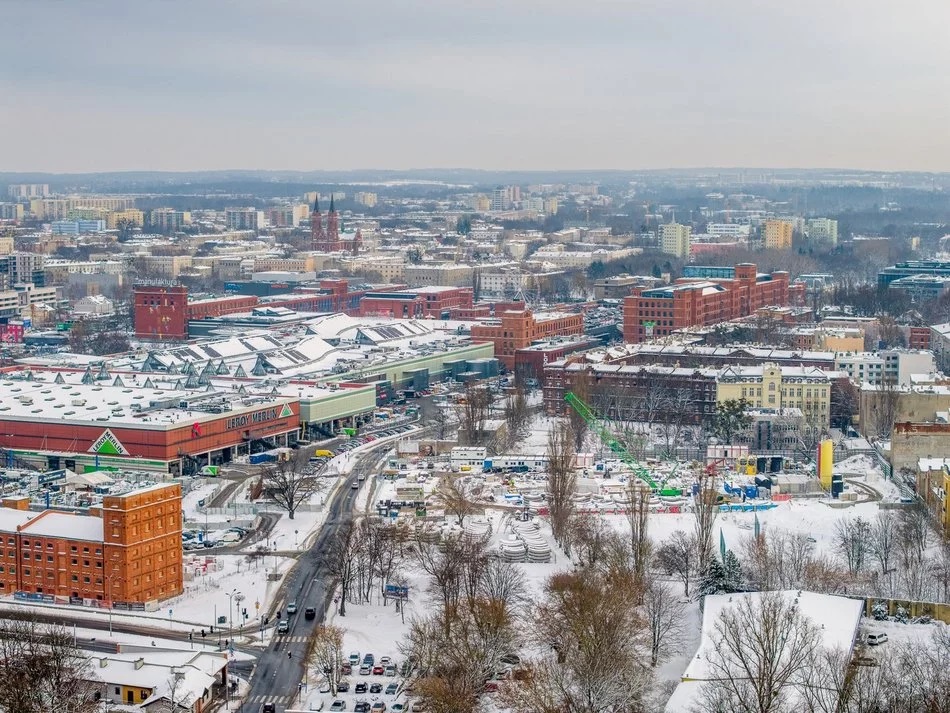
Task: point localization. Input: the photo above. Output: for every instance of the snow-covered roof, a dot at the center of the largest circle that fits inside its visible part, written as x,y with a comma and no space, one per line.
65,525
837,619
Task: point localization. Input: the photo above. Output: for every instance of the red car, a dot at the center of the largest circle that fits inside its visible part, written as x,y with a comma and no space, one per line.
377,670
346,669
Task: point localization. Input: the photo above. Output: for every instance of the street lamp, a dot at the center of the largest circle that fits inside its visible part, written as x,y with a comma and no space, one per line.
233,596
295,538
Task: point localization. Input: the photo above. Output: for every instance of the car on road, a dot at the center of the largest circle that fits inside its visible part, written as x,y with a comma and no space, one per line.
366,669
375,688
292,608
283,626
343,687
378,670
338,705
355,485
360,687
391,689
309,613
268,708
876,639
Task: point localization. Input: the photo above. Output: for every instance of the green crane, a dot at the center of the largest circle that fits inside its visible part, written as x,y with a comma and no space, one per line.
616,447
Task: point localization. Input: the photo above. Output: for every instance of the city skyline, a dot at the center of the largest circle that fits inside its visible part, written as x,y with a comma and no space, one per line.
364,84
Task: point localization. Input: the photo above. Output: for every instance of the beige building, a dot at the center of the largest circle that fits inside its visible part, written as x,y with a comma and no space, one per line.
777,234
164,266
823,229
838,340
6,245
132,215
168,220
550,206
770,386
11,211
284,264
439,275
390,268
366,198
675,239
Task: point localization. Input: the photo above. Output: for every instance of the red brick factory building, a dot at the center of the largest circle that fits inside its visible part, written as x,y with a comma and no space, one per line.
728,293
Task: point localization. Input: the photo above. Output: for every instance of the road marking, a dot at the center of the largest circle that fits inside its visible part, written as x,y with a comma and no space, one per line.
267,699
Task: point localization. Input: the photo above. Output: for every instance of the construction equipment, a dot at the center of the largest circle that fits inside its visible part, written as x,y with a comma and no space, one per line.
615,446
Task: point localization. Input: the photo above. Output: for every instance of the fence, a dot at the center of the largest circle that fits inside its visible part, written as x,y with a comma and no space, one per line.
935,610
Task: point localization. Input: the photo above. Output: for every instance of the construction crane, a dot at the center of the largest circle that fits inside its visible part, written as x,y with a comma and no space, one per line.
616,447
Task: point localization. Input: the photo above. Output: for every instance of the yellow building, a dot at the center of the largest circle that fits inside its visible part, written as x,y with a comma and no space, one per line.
777,234
132,215
770,386
675,239
839,340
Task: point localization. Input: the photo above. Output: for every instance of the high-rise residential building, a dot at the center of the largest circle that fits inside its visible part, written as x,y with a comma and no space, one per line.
500,198
11,211
675,239
28,190
777,234
550,206
21,267
75,227
366,199
287,216
168,220
243,218
823,229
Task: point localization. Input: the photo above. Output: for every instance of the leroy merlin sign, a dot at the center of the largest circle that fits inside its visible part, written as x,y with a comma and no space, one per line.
108,444
258,417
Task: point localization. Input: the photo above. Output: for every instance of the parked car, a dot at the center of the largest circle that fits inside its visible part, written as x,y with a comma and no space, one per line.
386,660
378,707
354,658
360,687
375,688
398,708
418,707
875,639
338,705
346,669
369,659
390,670
366,669
378,670
361,707
343,687
391,689
309,613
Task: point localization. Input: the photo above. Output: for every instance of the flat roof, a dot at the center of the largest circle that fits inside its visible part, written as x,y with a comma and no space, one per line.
65,525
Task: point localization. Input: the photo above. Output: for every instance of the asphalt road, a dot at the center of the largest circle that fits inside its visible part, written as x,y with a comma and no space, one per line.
277,675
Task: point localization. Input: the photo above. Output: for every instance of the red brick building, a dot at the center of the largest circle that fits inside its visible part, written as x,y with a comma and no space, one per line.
126,550
163,312
422,302
692,302
516,329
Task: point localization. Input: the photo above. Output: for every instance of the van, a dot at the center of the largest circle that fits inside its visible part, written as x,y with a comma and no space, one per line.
210,471
322,453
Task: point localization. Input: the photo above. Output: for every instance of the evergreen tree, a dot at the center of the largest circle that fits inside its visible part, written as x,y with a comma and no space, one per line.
713,579
733,572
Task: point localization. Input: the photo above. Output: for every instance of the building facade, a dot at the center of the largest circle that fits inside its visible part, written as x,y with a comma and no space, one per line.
658,312
516,329
775,387
675,239
777,234
128,550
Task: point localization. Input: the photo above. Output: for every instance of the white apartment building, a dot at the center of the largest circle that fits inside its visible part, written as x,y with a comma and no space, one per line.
729,230
823,229
895,366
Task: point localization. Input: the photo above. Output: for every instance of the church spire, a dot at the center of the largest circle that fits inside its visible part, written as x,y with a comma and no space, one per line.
316,203
331,202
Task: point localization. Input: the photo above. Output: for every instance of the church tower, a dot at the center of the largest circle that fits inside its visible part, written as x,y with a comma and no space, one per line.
333,228
318,236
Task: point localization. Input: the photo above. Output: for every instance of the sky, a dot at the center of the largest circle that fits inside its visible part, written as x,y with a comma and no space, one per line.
103,85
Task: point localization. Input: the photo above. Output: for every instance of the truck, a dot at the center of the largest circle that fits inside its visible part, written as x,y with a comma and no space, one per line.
322,453
210,471
266,457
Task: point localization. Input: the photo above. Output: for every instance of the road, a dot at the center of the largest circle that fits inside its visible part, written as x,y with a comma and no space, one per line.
277,675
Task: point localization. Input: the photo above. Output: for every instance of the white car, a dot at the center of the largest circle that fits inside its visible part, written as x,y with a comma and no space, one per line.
876,639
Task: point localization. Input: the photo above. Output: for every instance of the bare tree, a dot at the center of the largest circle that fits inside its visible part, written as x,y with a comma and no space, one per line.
678,555
291,482
562,481
472,413
584,621
675,420
705,509
517,414
879,412
581,387
662,613
340,559
758,673
41,670
638,517
178,698
883,535
451,494
325,656
851,540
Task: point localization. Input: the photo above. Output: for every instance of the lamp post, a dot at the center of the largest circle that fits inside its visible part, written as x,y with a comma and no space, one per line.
233,596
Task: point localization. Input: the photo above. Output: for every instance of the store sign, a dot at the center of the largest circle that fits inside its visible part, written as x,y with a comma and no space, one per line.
258,417
108,444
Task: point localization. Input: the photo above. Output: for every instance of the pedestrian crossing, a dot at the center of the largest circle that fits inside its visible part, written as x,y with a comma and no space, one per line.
294,639
268,699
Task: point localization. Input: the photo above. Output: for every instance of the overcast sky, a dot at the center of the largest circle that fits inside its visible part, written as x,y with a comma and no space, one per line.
92,85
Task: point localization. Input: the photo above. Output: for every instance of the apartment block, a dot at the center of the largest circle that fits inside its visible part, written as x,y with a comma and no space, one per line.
675,239
777,234
244,218
823,229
